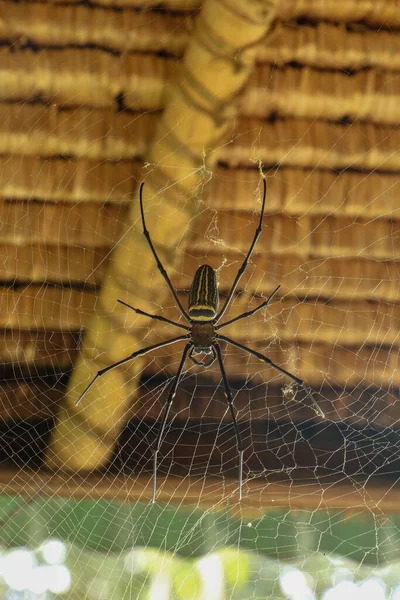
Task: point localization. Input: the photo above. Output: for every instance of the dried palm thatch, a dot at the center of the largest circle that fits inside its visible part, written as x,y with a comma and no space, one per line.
90,93
199,110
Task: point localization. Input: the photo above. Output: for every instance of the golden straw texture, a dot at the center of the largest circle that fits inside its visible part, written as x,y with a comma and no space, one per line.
91,92
198,114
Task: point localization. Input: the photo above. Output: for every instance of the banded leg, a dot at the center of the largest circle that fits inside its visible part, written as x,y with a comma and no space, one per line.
170,397
248,313
228,395
246,260
127,359
267,360
159,264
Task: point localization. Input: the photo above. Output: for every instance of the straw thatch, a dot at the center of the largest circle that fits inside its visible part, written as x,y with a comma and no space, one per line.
90,93
196,116
372,12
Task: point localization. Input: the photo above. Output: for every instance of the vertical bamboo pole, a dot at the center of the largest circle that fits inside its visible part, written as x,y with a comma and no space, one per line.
197,118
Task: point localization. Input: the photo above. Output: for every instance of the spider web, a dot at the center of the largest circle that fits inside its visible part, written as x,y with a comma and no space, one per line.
319,518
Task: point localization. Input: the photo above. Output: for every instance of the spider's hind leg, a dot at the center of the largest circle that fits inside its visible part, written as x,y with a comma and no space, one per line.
141,352
170,397
268,361
229,399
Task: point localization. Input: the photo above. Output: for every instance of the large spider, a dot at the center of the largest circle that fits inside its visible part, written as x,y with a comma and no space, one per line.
202,337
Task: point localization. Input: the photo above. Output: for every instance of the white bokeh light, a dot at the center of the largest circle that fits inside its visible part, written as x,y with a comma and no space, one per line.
396,593
21,572
212,575
135,562
37,582
345,590
160,587
372,588
294,583
341,574
58,579
54,552
18,565
2,565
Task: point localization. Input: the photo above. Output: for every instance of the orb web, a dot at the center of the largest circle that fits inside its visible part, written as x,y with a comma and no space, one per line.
84,87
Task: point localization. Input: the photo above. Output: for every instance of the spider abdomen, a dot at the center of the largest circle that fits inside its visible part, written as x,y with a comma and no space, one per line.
203,295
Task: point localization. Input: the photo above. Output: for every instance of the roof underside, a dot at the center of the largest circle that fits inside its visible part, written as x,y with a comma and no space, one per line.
83,90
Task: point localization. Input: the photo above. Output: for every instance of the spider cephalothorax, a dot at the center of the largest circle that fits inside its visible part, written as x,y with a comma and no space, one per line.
203,338
202,335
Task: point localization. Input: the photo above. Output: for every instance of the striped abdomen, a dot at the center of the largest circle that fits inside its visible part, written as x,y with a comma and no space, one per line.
203,295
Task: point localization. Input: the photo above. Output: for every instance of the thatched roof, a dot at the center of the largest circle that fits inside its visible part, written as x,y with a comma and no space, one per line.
90,94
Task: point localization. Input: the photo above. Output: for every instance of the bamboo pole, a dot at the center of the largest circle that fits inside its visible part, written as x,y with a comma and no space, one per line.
198,114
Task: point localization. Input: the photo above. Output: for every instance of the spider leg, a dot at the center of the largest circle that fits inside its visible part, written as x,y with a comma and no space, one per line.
261,357
248,313
128,358
159,264
246,260
170,397
228,395
156,317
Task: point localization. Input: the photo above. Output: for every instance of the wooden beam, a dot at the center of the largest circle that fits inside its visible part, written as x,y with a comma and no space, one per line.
260,496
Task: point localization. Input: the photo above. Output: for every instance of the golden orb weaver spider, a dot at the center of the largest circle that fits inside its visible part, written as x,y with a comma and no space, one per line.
202,337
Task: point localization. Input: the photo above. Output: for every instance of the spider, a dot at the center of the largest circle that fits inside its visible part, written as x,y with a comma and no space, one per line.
202,335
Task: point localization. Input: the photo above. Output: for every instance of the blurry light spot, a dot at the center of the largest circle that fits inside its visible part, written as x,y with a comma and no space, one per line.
135,562
335,560
160,588
58,579
372,588
303,595
2,565
293,582
18,565
212,576
37,582
345,590
54,552
341,574
396,592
